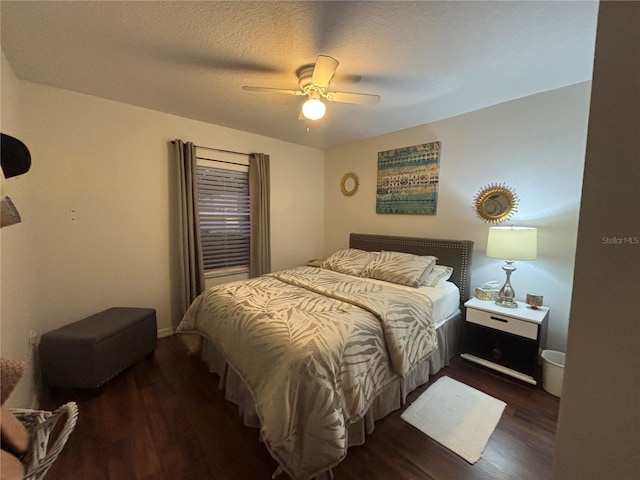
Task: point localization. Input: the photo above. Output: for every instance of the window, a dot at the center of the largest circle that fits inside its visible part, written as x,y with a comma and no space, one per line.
223,197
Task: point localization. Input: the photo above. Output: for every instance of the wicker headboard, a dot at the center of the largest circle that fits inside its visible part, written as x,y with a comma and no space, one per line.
453,253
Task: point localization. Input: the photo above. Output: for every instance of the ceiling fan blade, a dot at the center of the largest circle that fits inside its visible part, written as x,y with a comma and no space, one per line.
357,98
273,90
324,70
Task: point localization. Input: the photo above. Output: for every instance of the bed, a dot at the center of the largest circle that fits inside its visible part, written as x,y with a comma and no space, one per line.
314,356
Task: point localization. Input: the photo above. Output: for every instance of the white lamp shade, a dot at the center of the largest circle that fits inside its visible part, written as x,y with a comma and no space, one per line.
313,109
512,243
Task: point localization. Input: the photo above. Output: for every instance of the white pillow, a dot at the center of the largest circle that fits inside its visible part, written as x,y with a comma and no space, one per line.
438,275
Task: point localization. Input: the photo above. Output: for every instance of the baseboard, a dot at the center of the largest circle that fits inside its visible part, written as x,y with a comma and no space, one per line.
165,332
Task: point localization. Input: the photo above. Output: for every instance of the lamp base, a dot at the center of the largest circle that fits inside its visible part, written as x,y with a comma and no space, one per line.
506,294
505,302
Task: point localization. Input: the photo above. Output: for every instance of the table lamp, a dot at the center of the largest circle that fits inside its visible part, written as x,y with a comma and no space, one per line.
510,244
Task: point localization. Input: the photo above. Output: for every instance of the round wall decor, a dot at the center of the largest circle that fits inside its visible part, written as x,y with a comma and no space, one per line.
349,184
496,203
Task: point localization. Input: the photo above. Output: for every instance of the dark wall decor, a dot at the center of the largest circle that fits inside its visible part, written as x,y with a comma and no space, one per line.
16,160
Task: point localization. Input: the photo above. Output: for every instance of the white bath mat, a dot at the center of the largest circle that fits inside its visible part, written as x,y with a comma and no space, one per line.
457,416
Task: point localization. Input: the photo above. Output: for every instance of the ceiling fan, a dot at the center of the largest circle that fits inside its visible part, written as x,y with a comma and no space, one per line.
314,82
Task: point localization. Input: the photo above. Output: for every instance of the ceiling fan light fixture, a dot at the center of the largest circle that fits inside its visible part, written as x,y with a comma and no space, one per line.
313,109
314,81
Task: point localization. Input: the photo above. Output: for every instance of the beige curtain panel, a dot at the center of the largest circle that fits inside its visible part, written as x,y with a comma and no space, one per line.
259,200
190,244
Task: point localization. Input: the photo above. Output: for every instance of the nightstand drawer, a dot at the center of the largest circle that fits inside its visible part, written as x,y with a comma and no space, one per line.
503,323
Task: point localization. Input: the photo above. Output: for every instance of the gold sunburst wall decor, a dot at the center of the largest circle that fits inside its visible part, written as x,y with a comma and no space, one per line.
349,184
496,203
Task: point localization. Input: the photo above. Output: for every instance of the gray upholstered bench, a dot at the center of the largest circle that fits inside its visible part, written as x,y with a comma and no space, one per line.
87,353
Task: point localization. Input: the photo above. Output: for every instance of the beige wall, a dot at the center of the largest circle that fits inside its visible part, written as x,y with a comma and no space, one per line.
9,100
535,145
97,208
16,336
599,427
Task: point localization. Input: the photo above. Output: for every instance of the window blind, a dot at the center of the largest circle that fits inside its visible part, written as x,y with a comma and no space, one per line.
223,198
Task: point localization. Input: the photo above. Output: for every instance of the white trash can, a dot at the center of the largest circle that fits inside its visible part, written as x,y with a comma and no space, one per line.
552,371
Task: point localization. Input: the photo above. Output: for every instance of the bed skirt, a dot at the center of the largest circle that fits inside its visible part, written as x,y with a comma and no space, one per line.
391,398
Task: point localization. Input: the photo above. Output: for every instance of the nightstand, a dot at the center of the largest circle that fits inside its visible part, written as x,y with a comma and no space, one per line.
508,340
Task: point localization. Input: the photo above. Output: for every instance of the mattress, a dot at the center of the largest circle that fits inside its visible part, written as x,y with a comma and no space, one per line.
445,298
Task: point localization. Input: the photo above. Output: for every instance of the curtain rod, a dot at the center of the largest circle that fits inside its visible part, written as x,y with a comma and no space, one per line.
217,150
222,161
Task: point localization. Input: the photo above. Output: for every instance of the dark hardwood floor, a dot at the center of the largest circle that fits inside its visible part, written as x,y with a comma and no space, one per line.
165,419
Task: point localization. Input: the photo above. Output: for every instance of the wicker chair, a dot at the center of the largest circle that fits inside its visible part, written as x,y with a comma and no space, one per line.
41,424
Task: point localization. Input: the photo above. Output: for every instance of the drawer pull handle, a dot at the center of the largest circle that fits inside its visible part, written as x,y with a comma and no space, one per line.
499,319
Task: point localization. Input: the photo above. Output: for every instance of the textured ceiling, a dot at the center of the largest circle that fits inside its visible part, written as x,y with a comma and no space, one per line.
428,60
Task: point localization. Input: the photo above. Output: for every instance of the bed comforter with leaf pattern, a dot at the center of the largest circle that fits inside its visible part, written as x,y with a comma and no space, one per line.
314,348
